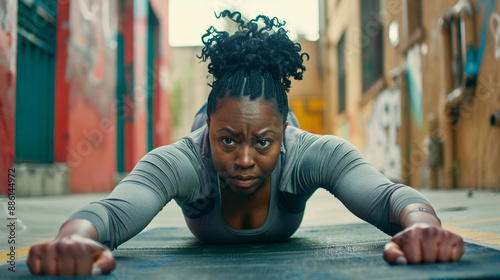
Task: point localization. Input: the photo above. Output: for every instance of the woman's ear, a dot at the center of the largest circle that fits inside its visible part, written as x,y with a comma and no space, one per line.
208,122
285,126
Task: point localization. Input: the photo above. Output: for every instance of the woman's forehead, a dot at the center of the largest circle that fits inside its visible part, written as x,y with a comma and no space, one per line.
243,109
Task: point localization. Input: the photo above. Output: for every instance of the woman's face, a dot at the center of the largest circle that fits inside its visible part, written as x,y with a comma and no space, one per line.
245,142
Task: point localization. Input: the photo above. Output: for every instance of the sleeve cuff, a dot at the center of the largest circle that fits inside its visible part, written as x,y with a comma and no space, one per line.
96,216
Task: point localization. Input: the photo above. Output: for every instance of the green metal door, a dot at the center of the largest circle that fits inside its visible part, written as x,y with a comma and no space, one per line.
35,81
121,88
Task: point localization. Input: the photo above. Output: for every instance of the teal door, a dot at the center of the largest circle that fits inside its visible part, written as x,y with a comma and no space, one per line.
121,88
35,81
152,74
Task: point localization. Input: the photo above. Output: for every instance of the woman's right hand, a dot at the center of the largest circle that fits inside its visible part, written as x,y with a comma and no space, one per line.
71,255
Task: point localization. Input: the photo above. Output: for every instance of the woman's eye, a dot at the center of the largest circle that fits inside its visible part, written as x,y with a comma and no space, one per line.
227,141
264,143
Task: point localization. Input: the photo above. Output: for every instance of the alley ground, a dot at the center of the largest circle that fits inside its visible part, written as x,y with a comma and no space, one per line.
473,214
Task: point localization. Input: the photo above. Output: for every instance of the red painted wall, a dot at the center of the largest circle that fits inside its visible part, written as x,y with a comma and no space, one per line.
8,43
163,113
140,79
61,135
91,77
162,122
85,88
126,29
91,80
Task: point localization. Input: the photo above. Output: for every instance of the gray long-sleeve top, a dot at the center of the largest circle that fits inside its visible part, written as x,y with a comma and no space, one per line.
183,171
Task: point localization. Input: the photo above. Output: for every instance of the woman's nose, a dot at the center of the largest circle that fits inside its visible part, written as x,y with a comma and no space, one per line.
245,157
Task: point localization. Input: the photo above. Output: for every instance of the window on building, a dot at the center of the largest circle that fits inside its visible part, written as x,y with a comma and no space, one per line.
371,43
341,74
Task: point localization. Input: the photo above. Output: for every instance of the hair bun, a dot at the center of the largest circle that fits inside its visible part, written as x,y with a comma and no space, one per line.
253,47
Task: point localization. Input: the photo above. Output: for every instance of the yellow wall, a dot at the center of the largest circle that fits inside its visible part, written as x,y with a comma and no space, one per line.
306,96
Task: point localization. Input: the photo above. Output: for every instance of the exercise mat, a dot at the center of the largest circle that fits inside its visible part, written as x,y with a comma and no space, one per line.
323,252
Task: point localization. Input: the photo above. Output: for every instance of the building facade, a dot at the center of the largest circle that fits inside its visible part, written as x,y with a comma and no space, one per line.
82,100
414,85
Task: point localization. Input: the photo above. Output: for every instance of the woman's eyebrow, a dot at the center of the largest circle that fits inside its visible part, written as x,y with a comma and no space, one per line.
236,134
230,131
267,131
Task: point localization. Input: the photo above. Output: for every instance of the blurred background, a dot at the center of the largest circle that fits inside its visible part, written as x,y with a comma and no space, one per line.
88,87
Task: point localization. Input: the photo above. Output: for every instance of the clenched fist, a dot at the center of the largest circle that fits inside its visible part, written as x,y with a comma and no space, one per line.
70,256
424,243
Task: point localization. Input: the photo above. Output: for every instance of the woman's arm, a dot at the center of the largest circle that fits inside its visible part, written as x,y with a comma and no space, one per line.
418,213
74,252
422,239
398,210
336,165
80,247
79,227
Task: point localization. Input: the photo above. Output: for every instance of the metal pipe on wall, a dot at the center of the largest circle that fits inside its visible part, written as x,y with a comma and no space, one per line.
495,119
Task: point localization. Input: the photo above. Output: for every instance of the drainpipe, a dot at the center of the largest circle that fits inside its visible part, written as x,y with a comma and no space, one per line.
457,26
455,117
458,31
435,152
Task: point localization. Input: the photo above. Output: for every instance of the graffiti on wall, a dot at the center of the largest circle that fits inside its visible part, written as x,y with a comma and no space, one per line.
495,31
8,42
414,76
382,148
487,7
8,38
92,47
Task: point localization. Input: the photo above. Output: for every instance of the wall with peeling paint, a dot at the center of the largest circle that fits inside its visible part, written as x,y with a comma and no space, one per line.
91,75
89,83
477,142
8,42
431,142
382,147
95,111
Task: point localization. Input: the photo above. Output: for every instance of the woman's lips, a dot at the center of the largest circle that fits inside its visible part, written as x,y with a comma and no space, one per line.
243,182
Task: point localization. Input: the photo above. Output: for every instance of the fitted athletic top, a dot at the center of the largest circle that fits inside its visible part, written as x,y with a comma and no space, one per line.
183,171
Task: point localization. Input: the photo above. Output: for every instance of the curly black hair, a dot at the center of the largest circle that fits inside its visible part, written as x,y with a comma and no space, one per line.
254,61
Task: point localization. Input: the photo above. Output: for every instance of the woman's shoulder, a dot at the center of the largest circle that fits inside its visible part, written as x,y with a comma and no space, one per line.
194,141
304,148
296,138
190,149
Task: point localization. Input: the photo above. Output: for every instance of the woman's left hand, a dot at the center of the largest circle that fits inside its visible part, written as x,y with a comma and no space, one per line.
424,243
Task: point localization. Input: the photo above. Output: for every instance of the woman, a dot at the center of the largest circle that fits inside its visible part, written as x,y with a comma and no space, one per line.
246,175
